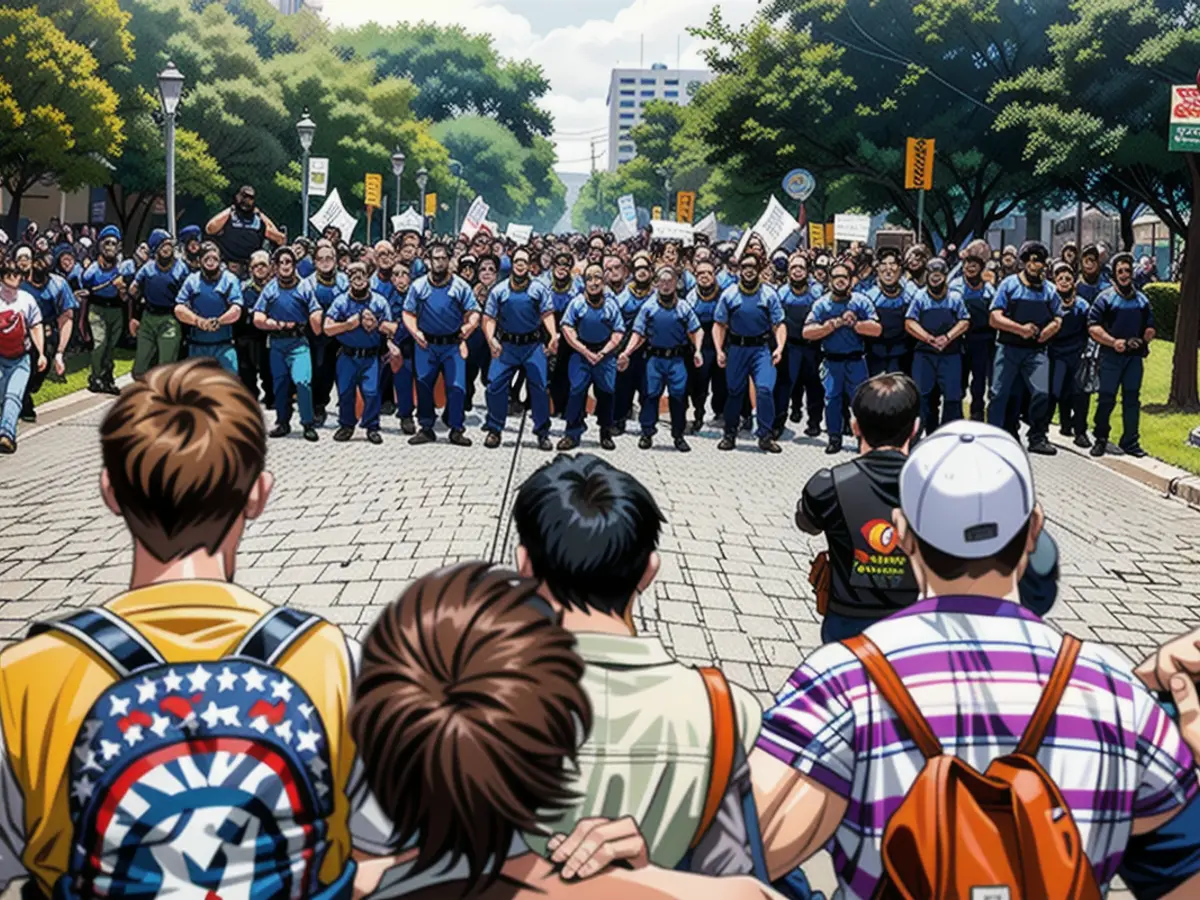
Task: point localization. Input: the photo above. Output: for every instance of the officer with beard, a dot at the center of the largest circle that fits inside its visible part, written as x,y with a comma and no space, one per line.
58,305
384,255
1122,322
980,345
241,229
326,284
891,298
840,321
747,316
1092,278
1026,313
190,238
1066,354
666,326
155,287
631,301
564,287
937,318
799,374
705,374
592,326
515,309
105,309
210,302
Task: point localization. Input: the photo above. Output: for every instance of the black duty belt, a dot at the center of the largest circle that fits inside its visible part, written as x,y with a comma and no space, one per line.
758,340
290,329
667,352
442,340
106,302
799,342
362,352
843,357
595,346
196,343
507,337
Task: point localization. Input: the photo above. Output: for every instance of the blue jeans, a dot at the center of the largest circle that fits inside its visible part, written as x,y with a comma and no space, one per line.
799,378
670,375
1118,370
1015,366
742,365
446,360
531,359
360,373
291,364
223,352
603,378
841,378
14,375
940,372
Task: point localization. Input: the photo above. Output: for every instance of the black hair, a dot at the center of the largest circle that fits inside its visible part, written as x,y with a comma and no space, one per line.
950,568
886,409
589,530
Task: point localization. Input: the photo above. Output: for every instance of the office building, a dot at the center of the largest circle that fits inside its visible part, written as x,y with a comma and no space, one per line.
628,93
288,7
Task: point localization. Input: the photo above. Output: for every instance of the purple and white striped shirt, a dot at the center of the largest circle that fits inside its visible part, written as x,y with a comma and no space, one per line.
976,668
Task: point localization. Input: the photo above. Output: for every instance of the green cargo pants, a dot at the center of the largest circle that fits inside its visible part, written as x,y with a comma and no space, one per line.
159,339
106,323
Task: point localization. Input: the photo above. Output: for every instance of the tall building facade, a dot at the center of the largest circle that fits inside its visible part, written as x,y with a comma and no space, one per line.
288,7
628,93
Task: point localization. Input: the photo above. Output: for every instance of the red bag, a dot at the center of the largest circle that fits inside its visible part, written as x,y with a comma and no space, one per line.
13,333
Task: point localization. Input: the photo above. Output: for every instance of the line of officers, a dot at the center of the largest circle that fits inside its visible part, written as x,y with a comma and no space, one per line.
706,335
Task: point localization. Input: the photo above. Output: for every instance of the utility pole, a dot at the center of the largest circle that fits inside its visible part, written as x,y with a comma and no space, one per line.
599,195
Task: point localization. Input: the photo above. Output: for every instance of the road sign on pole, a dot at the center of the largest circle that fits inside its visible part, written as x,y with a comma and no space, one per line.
1185,118
373,190
685,206
918,174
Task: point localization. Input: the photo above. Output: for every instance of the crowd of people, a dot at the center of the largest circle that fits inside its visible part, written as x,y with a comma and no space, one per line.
741,338
508,733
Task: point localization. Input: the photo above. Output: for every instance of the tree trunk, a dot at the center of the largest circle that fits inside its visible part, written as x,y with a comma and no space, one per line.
1184,395
12,219
1126,210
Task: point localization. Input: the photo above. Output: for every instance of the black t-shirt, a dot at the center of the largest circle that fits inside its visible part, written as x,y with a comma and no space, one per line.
241,237
820,505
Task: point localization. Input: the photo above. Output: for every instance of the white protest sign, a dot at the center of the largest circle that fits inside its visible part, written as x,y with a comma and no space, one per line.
519,234
774,227
850,227
672,231
318,176
333,214
707,226
476,216
409,220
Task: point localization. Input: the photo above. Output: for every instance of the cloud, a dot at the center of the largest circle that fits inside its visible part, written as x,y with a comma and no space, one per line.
578,59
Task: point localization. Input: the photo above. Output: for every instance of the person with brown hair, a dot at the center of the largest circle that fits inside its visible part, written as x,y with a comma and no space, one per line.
101,710
468,713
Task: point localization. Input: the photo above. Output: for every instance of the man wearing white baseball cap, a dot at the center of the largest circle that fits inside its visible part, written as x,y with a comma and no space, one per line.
834,761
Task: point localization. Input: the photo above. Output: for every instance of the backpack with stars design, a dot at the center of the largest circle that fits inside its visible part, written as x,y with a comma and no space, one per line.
198,780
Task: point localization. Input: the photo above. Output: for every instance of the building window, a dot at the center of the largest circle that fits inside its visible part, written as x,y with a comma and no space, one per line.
647,93
628,93
671,93
672,82
649,81
626,104
626,148
626,116
627,81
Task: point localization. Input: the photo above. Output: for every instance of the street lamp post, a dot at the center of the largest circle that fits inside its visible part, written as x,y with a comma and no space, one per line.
397,170
170,89
666,177
306,128
456,169
422,180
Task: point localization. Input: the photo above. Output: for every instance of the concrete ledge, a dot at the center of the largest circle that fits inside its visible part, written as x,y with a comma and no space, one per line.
1169,480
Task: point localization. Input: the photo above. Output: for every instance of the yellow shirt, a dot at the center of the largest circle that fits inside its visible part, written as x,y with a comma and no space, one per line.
48,684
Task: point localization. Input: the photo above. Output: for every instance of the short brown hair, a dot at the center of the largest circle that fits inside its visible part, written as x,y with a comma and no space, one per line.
182,448
466,711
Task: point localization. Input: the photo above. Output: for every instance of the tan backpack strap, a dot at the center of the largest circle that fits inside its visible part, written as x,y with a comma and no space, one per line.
888,683
1064,665
724,743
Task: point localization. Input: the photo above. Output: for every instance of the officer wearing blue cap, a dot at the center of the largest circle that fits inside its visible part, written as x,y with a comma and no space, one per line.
515,309
190,236
891,296
840,320
1026,313
798,378
667,326
1122,322
105,301
210,302
283,309
440,313
937,318
593,326
155,288
357,318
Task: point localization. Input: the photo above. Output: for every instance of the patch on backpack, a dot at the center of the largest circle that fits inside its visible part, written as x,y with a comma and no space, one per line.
995,892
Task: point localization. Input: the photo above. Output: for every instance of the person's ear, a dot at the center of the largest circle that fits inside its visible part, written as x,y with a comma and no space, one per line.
260,492
904,536
524,566
652,566
916,430
854,426
106,492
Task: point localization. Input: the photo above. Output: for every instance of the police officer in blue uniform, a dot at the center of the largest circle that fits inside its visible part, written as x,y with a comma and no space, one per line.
327,284
747,316
666,325
356,319
979,347
707,374
384,257
564,287
105,300
190,237
440,313
798,378
59,308
937,318
254,359
592,325
891,296
1092,277
283,309
1122,323
155,287
631,300
1026,313
210,302
517,309
402,349
1066,355
840,320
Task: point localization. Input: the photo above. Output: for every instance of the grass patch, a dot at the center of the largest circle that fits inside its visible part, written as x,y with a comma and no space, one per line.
79,368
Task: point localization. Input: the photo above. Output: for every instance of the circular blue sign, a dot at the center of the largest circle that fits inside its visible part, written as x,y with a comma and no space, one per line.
799,184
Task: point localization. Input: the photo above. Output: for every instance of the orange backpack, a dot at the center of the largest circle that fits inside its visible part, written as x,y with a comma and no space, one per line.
1005,834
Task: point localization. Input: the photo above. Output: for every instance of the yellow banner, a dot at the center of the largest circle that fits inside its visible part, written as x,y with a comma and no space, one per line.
685,206
829,239
816,234
656,213
431,204
373,190
918,164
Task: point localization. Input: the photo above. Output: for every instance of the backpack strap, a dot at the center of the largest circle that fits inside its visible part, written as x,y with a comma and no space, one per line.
109,637
1060,675
888,683
274,634
724,729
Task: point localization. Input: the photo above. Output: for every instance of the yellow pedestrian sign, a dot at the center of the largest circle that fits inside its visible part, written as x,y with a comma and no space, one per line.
685,206
431,204
918,164
373,191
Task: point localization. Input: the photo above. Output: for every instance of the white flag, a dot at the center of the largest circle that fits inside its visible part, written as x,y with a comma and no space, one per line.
333,213
409,220
708,226
476,216
774,227
519,234
673,231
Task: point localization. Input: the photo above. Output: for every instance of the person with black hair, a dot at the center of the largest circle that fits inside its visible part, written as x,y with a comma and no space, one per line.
1066,355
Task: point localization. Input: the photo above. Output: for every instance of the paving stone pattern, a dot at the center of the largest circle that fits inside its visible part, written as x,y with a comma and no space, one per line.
350,525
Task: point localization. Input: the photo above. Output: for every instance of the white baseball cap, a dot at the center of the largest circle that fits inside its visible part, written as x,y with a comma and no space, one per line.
967,489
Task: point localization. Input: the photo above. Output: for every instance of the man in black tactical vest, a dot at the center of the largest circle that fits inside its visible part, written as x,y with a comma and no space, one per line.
241,229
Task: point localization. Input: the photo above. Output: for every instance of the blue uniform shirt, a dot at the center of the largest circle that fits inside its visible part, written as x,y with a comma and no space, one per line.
725,278
327,292
1026,305
1070,340
631,303
160,287
128,269
705,309
519,311
749,315
101,283
843,341
54,298
440,310
305,267
891,311
346,307
209,299
562,298
1089,291
937,316
1121,316
666,328
978,301
594,324
796,307
294,304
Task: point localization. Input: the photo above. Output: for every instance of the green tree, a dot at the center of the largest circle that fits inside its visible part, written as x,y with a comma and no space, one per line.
654,136
597,203
58,117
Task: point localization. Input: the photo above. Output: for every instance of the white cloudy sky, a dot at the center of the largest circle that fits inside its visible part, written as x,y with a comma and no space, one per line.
577,42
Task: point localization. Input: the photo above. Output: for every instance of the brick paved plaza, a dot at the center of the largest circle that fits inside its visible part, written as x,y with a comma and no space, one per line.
349,525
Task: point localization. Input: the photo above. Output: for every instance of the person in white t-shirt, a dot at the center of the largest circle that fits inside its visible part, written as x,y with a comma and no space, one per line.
20,329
